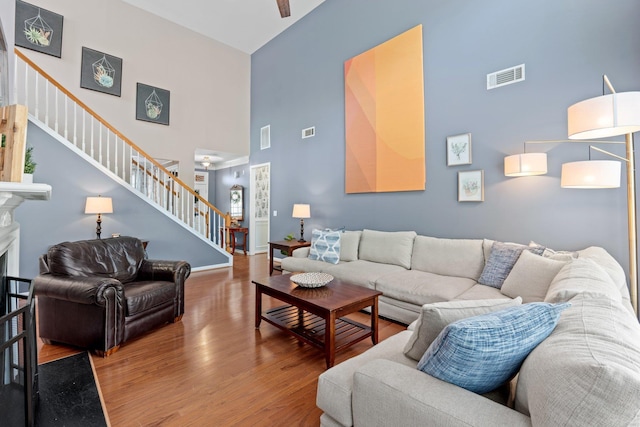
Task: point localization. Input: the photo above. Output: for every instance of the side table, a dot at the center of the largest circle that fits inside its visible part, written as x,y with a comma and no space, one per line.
232,238
284,245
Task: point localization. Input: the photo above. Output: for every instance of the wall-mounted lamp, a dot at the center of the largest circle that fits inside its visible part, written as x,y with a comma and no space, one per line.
98,205
301,211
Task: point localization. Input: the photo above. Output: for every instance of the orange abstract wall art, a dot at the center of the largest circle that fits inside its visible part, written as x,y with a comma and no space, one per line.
384,117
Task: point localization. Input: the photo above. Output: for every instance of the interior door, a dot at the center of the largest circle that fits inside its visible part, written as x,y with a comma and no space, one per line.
260,190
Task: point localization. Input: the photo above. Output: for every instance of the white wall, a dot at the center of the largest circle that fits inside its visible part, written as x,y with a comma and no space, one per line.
209,81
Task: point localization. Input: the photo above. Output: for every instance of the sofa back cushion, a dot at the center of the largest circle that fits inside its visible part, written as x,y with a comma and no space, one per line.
587,372
115,258
448,257
349,242
582,276
387,247
613,269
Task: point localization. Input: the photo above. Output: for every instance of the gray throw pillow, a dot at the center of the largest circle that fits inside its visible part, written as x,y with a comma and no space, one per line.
530,277
434,317
501,260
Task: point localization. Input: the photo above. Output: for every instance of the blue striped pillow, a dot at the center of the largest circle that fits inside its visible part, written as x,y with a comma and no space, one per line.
483,352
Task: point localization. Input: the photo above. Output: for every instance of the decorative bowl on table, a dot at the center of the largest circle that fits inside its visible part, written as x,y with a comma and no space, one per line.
311,280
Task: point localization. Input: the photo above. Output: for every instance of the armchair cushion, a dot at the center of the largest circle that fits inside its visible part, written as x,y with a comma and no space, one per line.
142,296
116,258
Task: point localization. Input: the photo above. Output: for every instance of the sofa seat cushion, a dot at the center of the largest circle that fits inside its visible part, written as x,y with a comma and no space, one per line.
448,257
387,247
336,384
363,273
587,372
295,264
144,295
479,291
419,287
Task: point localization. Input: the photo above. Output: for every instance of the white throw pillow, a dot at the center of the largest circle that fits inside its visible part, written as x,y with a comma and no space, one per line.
434,317
530,277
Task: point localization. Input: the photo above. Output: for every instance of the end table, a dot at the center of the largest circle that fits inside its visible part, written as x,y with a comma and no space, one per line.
284,245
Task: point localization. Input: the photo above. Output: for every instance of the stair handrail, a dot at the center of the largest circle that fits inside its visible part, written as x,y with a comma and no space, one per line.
112,129
107,125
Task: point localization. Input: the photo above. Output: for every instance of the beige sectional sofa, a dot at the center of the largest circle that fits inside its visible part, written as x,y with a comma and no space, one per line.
586,373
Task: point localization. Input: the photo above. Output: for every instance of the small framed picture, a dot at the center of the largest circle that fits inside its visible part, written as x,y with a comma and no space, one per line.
459,149
152,104
471,186
100,72
38,29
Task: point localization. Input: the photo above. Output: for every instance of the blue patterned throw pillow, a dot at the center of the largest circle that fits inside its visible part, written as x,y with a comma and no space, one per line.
325,246
502,258
481,353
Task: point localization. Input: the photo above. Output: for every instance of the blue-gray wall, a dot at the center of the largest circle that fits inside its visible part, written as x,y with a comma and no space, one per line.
44,223
298,81
224,180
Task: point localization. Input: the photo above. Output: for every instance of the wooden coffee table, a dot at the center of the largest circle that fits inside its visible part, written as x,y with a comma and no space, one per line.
315,315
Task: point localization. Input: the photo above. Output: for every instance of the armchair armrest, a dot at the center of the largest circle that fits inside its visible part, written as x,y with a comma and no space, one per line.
82,290
168,271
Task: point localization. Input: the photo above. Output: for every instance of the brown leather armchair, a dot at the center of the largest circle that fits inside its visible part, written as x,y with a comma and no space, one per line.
98,294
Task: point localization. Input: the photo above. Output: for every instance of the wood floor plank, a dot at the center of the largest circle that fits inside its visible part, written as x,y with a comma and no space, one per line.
214,368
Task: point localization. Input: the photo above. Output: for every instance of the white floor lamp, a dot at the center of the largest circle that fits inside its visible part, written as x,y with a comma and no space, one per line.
606,116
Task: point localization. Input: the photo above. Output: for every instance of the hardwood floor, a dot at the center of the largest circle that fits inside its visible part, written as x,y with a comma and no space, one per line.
214,368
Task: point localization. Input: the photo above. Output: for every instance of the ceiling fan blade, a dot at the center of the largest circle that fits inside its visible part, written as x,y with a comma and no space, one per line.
283,5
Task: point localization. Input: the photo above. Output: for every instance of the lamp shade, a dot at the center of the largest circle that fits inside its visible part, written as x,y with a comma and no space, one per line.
98,205
591,174
525,164
604,116
301,211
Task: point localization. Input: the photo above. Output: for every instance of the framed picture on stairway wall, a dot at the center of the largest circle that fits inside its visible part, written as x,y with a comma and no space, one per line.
100,72
152,104
38,29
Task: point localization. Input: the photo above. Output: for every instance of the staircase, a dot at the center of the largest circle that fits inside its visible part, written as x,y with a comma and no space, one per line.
54,107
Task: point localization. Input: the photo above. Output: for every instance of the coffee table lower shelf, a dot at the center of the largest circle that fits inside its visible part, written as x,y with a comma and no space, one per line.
310,328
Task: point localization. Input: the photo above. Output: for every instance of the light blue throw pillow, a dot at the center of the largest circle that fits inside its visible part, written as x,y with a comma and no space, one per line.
483,352
325,246
502,258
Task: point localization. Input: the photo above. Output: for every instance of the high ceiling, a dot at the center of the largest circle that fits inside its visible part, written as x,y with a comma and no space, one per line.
246,25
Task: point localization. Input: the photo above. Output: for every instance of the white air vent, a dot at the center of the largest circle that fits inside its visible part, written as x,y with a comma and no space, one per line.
308,132
505,77
265,137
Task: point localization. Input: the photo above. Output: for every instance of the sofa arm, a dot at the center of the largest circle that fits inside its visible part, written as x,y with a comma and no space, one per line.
301,252
168,271
82,290
387,393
